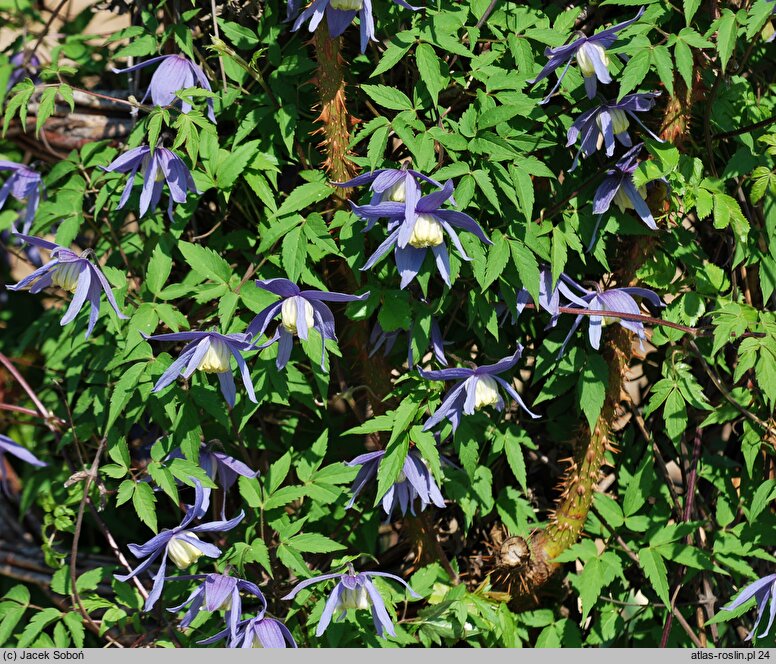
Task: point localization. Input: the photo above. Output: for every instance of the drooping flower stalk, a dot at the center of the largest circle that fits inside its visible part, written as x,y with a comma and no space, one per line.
334,117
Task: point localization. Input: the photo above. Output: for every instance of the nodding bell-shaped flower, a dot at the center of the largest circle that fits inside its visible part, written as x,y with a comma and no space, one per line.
603,124
618,188
181,545
217,592
618,300
156,166
354,591
549,295
478,388
299,312
764,591
175,73
339,15
22,69
415,482
393,185
591,56
9,446
259,632
210,352
24,184
72,273
413,232
379,338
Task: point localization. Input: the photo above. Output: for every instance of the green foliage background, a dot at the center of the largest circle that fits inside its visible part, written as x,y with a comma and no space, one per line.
447,88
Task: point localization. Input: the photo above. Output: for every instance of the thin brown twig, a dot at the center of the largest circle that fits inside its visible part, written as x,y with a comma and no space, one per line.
25,386
77,536
46,28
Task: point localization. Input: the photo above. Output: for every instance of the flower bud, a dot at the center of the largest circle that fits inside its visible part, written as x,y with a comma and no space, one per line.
427,232
216,358
65,275
346,5
485,392
357,598
585,57
183,553
288,314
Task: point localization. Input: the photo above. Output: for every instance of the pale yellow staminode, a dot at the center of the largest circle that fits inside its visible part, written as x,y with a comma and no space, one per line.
622,201
346,5
353,599
216,358
183,553
619,124
65,275
619,119
585,59
485,392
397,193
427,232
288,314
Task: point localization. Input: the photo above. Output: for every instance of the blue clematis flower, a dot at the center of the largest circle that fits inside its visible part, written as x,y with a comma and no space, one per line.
618,188
478,388
764,591
22,69
339,15
25,185
415,482
209,352
73,273
157,166
354,591
603,124
176,73
549,296
619,300
217,466
392,185
299,311
9,446
217,592
378,339
591,57
259,632
181,545
414,234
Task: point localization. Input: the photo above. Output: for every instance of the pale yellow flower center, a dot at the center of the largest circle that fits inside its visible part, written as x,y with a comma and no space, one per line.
216,358
65,275
347,5
427,232
397,193
288,314
485,392
353,599
585,60
622,201
183,553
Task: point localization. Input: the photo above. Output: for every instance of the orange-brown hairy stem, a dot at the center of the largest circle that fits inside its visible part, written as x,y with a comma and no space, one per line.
578,485
334,117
